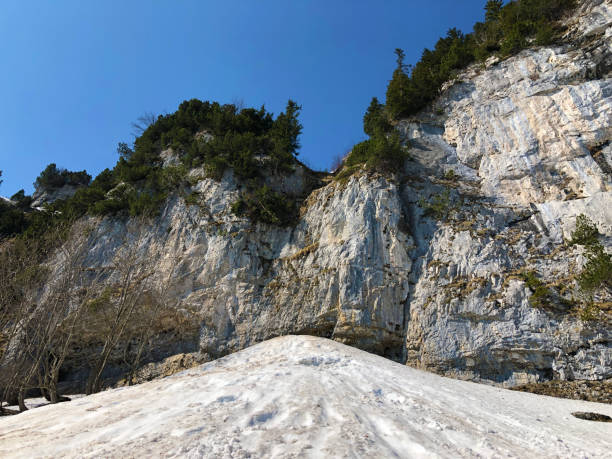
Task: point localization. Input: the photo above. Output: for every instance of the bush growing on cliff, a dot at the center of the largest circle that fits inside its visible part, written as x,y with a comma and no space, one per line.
12,220
382,153
597,272
217,137
438,206
375,119
266,206
596,275
21,200
399,90
53,177
585,233
540,294
507,29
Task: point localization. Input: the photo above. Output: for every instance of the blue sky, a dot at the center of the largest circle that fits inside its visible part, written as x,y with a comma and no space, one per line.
76,73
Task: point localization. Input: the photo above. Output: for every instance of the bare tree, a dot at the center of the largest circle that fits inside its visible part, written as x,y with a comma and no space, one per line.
17,272
142,123
238,102
156,314
39,327
88,316
338,162
115,307
65,310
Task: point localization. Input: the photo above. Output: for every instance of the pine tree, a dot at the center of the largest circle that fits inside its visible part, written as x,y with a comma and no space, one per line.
374,119
287,129
284,135
398,89
124,150
401,55
493,10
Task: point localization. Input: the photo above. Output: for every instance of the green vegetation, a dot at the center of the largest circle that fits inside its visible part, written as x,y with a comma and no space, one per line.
52,178
192,199
596,275
12,220
585,232
438,206
21,200
507,29
266,206
216,137
382,153
374,120
597,272
540,294
18,218
589,311
202,134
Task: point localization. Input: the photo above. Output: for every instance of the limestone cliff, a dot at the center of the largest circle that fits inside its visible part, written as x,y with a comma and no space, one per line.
528,143
530,140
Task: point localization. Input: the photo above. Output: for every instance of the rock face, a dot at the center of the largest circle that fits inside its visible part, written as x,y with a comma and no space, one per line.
342,271
522,135
43,196
528,144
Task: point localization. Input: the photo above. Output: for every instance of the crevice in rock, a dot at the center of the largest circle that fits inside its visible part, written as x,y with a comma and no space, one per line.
598,153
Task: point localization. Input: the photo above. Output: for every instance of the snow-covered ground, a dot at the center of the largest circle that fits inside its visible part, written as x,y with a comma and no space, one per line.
302,396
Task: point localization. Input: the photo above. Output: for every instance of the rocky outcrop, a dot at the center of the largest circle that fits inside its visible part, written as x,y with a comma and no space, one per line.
341,272
593,391
519,136
49,195
509,154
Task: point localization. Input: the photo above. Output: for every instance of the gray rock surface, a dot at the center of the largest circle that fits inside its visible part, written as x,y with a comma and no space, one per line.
521,135
341,272
47,196
527,141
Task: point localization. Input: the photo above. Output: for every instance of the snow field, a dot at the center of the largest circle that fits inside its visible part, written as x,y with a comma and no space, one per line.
300,396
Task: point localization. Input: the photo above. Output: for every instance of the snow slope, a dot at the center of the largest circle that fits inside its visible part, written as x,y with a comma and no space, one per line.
304,396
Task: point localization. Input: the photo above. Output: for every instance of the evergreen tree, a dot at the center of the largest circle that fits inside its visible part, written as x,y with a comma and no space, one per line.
493,10
284,135
508,28
513,41
124,151
398,89
21,199
401,55
50,177
374,119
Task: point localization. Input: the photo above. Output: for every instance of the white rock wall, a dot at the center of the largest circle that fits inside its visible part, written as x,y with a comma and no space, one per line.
522,135
365,266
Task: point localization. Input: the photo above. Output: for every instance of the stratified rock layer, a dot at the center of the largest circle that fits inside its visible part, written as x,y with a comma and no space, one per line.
521,135
528,144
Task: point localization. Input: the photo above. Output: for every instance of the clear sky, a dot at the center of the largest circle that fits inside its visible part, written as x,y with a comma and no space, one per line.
76,73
